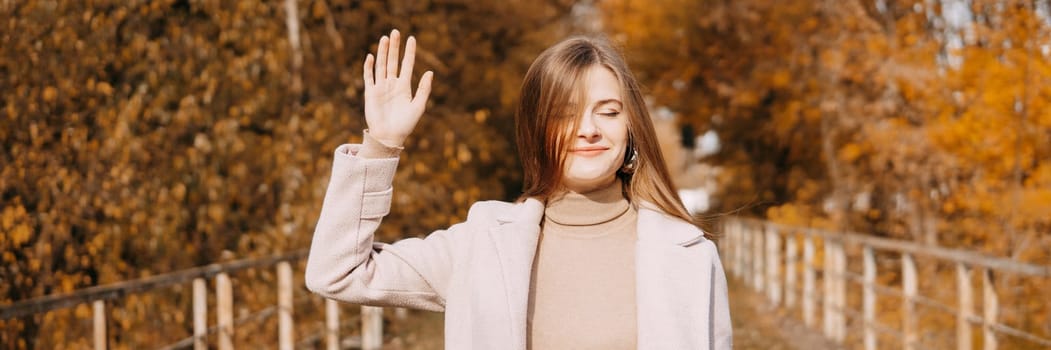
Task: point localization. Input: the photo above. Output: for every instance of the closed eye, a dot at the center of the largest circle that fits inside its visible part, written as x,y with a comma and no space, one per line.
610,114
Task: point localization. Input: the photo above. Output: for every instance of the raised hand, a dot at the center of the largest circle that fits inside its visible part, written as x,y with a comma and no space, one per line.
391,111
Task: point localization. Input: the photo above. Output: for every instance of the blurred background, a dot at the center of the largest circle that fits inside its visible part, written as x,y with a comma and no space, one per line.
145,137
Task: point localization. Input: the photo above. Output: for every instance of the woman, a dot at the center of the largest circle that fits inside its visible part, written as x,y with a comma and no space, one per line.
598,253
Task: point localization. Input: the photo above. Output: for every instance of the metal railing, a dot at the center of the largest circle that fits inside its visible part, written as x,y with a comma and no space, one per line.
224,327
753,251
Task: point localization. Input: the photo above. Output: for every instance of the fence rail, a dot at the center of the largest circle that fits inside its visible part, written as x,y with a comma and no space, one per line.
753,253
224,328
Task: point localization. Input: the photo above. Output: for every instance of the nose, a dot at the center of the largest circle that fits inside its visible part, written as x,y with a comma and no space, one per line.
587,129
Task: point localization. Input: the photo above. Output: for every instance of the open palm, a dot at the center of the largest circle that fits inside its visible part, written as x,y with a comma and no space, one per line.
391,110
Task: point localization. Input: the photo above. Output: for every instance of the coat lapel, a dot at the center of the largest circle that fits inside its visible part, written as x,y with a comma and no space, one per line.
671,284
515,240
671,288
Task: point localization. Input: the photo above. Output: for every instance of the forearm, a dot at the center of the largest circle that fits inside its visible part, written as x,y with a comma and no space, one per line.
357,198
346,264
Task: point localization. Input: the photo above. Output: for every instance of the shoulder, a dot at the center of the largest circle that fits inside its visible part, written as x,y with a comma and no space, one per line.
500,212
506,211
656,225
487,210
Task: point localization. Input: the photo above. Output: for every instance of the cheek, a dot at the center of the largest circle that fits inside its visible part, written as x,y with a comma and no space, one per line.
615,130
618,158
622,143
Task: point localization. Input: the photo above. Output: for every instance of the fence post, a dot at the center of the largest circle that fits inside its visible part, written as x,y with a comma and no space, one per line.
828,298
739,258
835,290
728,247
331,324
808,280
372,327
285,338
790,270
99,311
200,314
966,295
773,265
746,254
909,286
224,304
758,259
991,306
869,297
841,291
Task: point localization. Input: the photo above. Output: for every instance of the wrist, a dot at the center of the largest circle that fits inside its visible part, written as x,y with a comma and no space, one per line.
389,142
375,148
386,140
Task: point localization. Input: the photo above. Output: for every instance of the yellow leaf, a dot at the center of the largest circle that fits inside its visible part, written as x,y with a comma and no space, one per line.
20,234
850,152
781,78
50,93
104,88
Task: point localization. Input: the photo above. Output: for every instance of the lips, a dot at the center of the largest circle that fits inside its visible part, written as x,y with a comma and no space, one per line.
588,150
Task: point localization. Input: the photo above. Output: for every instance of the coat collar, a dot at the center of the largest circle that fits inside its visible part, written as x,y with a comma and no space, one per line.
530,210
672,230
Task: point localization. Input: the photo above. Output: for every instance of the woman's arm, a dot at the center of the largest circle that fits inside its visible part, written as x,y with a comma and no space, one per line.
344,262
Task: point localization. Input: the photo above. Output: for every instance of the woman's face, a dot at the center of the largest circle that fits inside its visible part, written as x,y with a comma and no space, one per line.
596,150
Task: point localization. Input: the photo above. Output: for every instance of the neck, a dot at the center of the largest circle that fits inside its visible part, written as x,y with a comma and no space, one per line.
570,186
589,208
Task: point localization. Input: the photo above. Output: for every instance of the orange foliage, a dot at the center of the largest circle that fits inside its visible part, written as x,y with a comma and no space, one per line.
144,137
901,119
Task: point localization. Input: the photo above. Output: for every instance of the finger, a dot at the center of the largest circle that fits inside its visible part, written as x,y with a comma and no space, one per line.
368,73
392,54
423,92
409,60
381,59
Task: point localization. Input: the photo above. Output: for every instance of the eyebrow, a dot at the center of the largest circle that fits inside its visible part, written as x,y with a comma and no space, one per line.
609,100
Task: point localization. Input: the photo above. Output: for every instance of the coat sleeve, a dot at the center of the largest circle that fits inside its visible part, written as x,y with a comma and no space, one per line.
722,328
347,265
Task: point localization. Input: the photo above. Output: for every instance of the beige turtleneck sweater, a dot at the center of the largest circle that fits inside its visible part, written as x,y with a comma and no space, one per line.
582,290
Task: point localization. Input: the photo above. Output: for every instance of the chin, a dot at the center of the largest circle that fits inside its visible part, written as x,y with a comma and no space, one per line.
589,182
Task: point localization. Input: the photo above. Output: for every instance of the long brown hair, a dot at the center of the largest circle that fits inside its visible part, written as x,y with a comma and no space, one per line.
544,121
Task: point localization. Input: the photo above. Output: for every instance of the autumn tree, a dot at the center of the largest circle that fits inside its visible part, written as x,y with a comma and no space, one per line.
917,120
142,137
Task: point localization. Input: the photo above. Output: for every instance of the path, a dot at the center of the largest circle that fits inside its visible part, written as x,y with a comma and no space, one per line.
757,325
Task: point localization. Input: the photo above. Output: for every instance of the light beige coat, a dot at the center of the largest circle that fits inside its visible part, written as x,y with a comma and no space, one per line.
478,271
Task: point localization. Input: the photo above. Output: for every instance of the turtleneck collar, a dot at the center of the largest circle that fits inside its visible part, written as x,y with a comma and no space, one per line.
587,209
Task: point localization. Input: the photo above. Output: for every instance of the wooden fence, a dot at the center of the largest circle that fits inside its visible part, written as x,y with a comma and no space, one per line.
766,256
225,324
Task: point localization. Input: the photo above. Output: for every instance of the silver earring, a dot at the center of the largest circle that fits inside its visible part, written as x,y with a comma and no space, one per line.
631,163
